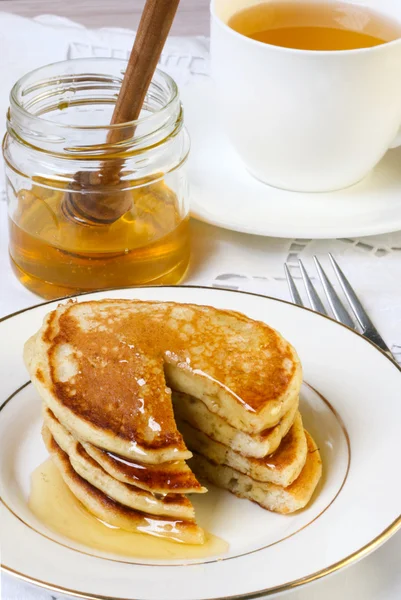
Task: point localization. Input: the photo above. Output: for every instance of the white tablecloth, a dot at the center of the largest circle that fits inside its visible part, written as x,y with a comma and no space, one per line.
220,258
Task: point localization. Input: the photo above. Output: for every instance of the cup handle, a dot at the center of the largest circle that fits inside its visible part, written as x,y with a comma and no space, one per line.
397,140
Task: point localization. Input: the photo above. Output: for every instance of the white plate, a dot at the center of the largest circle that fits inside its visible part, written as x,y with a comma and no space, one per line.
354,415
223,193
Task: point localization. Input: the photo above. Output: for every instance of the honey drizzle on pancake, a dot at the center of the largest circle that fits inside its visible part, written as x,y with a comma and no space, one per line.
135,343
170,476
56,507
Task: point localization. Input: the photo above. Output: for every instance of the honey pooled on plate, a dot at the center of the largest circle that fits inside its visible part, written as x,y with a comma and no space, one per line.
57,508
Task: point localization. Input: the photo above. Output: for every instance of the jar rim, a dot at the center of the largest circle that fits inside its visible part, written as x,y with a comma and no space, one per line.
20,88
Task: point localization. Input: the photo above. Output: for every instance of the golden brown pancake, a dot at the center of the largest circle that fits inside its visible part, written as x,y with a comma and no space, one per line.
281,468
171,505
270,496
165,478
257,445
102,368
115,514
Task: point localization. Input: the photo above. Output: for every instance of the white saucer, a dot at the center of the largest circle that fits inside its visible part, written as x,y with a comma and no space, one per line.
226,195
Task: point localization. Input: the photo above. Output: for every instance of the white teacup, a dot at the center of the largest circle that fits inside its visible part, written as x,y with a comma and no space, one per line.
301,120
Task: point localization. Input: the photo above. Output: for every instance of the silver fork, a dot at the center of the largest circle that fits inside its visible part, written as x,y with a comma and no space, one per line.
337,307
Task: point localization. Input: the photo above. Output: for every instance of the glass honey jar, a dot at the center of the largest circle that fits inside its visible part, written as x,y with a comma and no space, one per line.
58,125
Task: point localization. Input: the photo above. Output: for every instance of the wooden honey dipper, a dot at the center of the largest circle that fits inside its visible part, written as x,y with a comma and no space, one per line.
83,202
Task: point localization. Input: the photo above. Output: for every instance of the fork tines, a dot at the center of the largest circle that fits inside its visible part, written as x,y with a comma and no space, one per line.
336,305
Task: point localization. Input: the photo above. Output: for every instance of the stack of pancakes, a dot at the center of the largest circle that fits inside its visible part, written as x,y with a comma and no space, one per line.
109,372
277,467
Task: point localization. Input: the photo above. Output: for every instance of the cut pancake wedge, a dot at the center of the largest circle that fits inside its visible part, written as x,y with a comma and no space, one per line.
270,496
174,506
77,380
280,468
258,445
166,478
115,514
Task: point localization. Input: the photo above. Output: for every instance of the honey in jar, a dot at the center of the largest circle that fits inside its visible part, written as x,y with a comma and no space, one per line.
58,126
